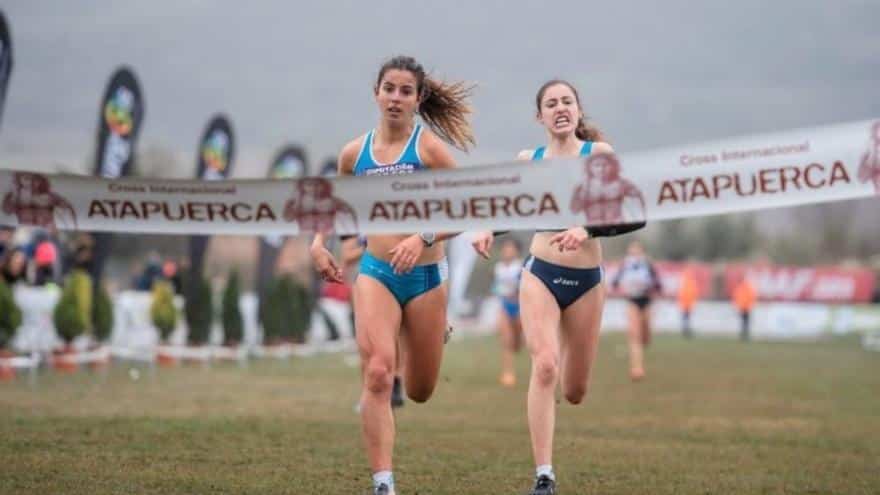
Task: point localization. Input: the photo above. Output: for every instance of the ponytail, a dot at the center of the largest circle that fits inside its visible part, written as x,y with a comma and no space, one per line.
443,106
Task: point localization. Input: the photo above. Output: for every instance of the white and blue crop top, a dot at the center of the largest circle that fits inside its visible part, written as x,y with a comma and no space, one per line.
586,148
408,162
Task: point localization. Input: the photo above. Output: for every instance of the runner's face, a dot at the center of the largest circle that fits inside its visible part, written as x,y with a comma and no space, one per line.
635,250
508,252
397,96
559,110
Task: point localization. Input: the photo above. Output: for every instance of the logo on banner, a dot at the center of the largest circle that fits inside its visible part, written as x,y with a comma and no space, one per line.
869,170
118,111
288,167
604,196
315,209
215,152
32,202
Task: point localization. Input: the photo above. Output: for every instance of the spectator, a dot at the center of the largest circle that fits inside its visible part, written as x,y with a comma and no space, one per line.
13,266
6,234
45,257
744,297
687,298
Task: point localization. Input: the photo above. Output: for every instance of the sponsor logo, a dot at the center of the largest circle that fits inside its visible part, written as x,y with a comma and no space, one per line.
762,182
215,153
869,169
566,281
315,209
604,196
32,202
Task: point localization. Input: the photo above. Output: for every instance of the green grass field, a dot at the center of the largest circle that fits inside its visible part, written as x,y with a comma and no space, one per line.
714,416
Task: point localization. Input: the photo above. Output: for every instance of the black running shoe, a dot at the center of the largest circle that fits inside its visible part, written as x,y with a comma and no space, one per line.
397,393
383,489
544,485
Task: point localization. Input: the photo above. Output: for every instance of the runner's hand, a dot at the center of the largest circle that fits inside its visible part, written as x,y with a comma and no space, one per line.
405,254
482,243
570,240
326,264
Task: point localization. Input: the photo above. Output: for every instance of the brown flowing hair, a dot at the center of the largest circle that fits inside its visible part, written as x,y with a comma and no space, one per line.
583,131
443,106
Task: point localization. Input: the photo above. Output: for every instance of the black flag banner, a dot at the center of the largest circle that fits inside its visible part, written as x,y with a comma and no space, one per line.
119,122
5,59
214,163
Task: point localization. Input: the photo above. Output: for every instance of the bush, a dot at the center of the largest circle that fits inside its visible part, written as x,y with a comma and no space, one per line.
73,313
233,326
286,311
162,310
102,315
302,303
270,312
10,315
198,309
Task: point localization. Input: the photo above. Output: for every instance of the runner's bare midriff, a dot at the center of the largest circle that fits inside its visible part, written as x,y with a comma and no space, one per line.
379,245
588,256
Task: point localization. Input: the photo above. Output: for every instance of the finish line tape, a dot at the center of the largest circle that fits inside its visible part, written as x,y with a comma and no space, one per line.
799,167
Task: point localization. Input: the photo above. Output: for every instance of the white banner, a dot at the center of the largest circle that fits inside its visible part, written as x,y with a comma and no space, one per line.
792,168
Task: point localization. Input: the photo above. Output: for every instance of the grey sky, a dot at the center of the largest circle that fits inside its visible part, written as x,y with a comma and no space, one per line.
650,73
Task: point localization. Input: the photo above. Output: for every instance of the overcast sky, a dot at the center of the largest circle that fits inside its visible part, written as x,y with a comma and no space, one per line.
650,73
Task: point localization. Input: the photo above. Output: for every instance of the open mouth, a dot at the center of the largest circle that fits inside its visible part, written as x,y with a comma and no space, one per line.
562,120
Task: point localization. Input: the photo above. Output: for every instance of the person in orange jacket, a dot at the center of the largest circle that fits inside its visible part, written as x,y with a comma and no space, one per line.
688,293
744,297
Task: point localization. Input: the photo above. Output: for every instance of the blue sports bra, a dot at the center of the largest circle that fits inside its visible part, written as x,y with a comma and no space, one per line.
586,148
408,162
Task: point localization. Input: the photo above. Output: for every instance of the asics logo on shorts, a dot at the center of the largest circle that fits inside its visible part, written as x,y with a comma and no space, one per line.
566,281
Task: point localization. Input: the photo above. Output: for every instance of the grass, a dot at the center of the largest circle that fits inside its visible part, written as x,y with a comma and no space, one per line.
714,416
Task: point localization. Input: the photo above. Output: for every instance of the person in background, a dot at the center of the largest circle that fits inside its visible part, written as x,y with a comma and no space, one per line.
6,234
508,273
45,258
688,293
640,282
744,297
13,266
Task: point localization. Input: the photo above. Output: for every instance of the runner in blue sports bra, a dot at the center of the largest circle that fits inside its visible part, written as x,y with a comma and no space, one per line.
399,281
561,296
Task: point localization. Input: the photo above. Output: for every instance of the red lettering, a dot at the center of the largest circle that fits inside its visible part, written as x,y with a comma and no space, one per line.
699,189
766,179
795,178
396,206
264,211
478,207
128,210
411,210
96,208
221,211
241,217
808,178
379,211
504,206
547,203
739,190
720,183
838,172
195,211
667,193
150,207
432,206
517,206
113,207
